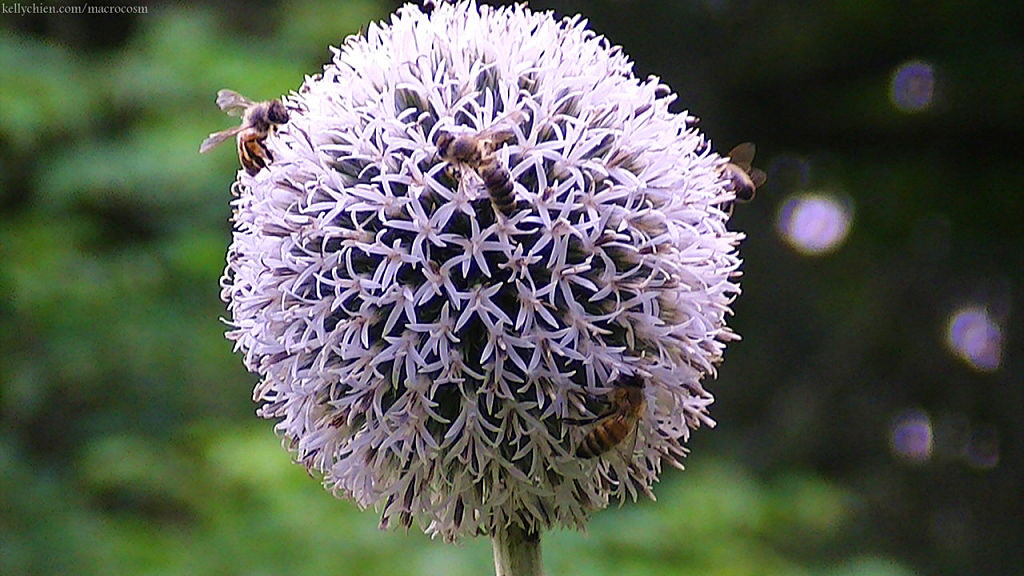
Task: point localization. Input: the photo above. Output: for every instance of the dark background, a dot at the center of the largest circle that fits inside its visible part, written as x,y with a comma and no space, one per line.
855,434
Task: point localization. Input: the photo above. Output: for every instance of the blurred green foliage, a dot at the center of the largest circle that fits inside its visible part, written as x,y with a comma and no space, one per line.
128,443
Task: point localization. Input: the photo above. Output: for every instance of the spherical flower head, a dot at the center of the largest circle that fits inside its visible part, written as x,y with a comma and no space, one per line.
460,362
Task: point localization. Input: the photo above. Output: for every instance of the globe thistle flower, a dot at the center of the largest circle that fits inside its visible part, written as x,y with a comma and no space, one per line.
442,359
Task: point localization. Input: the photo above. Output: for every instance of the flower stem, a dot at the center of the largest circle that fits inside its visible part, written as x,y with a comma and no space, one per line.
516,552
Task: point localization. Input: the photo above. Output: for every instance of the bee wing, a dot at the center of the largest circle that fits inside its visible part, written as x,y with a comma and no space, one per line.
626,453
603,412
501,130
514,116
585,421
218,137
497,135
743,155
232,102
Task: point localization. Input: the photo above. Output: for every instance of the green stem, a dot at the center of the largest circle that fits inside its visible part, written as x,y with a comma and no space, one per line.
516,552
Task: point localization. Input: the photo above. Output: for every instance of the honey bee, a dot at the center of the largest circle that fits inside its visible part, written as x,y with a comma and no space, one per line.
476,151
626,405
258,119
744,179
